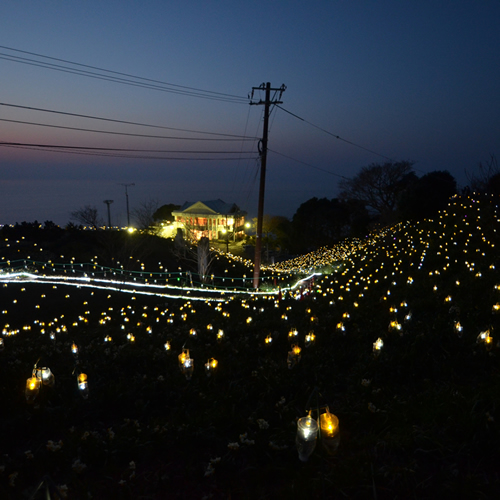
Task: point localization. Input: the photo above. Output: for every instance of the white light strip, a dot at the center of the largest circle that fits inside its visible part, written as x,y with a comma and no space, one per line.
118,286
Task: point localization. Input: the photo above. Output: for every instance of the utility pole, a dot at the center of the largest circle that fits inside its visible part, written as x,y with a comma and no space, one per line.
126,196
263,160
108,202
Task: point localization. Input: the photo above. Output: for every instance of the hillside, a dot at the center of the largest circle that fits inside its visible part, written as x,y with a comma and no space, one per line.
418,417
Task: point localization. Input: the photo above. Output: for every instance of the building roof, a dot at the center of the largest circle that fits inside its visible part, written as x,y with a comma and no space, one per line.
210,207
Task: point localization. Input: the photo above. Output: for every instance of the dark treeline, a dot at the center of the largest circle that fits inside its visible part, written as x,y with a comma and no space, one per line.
379,195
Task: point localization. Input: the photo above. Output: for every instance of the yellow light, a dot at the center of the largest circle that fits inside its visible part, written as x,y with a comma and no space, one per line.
329,424
378,344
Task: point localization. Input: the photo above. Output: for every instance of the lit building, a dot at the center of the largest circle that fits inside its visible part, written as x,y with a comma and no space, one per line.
214,219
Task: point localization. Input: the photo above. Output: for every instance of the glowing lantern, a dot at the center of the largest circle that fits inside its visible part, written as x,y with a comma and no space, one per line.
377,346
186,364
496,308
305,441
340,327
83,385
74,349
192,332
2,345
130,338
448,298
211,366
268,340
45,376
310,338
486,339
293,356
32,388
329,424
220,335
458,328
394,326
210,327
293,333
107,339
167,345
249,319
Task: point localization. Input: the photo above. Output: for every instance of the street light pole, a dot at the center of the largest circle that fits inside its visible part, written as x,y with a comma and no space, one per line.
108,202
126,197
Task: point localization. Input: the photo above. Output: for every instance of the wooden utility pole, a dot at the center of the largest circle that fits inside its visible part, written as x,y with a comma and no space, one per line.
263,159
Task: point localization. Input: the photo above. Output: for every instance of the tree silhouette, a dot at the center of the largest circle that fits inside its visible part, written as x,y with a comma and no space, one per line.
379,187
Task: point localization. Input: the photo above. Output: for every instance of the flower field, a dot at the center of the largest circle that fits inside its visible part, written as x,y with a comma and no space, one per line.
396,334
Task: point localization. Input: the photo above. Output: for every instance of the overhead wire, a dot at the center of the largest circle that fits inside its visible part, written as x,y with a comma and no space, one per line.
129,134
307,164
66,113
123,78
116,155
334,135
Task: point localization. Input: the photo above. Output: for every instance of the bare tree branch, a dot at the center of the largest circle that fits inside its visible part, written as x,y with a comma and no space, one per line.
87,216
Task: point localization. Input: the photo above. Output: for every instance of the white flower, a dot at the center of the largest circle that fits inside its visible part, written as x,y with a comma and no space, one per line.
63,490
51,446
78,466
263,424
12,478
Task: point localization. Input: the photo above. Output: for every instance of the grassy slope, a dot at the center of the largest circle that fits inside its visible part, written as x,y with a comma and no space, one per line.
417,421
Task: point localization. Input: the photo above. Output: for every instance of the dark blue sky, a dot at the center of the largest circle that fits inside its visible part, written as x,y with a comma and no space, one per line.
412,80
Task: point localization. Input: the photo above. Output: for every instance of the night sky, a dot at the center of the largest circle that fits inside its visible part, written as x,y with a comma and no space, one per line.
412,80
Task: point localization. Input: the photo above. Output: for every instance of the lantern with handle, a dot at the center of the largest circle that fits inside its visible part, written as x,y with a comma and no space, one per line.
329,425
307,433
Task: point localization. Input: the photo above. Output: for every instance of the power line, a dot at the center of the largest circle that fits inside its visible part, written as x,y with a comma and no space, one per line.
116,155
143,82
66,113
334,135
129,134
90,148
114,152
308,164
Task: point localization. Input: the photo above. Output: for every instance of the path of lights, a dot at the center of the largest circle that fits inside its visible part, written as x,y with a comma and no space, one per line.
131,287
